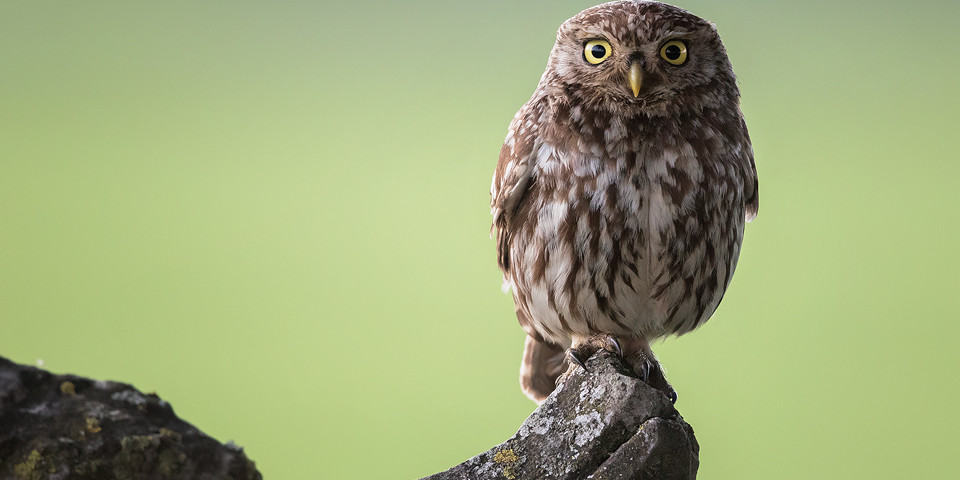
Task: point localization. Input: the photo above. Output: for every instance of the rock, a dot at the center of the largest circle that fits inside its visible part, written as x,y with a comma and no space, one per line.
65,427
603,423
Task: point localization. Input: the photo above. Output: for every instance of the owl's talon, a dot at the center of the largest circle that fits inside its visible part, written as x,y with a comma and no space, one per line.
615,344
575,359
645,368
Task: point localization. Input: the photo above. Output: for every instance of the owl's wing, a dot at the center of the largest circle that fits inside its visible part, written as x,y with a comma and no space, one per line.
751,187
752,196
512,178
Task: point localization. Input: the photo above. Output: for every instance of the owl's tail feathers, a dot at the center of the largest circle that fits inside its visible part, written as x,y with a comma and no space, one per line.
540,367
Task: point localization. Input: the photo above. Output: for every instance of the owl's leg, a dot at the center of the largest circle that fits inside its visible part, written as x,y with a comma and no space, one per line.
635,353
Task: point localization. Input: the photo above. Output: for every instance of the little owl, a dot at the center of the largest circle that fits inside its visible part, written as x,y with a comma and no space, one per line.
622,190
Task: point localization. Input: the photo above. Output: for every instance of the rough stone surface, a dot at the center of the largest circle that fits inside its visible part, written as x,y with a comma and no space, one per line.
603,423
65,427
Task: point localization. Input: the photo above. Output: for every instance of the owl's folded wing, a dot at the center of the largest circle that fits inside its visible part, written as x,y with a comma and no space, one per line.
512,179
752,190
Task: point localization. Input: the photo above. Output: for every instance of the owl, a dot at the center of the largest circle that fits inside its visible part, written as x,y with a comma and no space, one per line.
622,190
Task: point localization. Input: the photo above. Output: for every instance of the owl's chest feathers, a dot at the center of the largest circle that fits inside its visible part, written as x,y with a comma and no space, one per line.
626,227
631,184
605,220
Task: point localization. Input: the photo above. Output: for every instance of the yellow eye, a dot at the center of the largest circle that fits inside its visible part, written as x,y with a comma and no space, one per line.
596,51
674,52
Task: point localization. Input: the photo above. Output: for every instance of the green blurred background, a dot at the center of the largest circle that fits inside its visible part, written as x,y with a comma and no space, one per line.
275,215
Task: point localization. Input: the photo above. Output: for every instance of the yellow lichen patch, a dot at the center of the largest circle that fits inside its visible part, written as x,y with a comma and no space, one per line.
508,459
161,452
165,432
67,388
93,425
138,443
28,469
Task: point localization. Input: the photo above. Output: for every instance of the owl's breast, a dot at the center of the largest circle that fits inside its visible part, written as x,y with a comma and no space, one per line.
634,242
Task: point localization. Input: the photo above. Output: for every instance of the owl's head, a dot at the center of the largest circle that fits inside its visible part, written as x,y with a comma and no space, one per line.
632,56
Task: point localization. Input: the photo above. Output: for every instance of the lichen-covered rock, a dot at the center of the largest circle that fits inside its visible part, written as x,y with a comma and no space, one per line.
603,423
64,427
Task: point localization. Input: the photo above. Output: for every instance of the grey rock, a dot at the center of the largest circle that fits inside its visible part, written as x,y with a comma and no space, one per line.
602,423
73,428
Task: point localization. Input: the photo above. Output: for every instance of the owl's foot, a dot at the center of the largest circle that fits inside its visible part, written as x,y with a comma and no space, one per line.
579,353
637,356
651,372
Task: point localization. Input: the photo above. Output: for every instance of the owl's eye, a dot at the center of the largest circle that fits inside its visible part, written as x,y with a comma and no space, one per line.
596,51
674,52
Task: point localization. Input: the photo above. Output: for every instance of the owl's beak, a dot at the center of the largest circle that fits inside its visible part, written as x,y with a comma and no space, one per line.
636,78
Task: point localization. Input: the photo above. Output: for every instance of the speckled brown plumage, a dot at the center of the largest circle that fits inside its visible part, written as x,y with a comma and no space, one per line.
621,214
